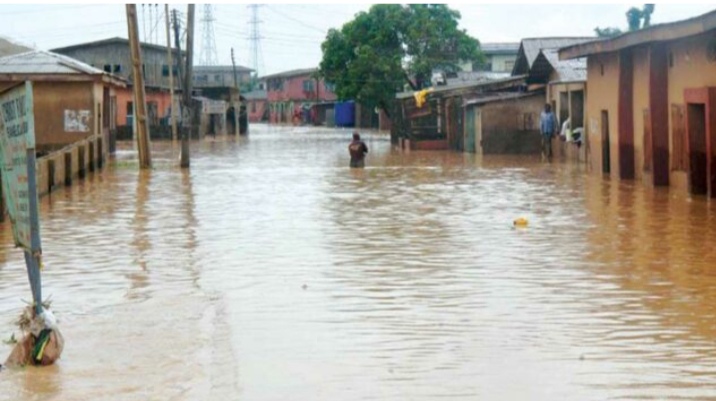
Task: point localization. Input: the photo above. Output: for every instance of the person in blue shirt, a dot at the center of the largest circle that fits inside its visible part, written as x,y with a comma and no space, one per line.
548,128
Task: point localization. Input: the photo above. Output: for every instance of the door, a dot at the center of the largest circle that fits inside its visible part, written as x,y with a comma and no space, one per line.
698,173
470,129
478,131
606,156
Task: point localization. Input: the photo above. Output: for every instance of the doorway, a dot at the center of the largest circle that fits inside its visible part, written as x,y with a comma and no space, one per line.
698,165
606,156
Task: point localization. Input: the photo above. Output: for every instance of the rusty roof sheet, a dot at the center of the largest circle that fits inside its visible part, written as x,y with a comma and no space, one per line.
655,33
291,73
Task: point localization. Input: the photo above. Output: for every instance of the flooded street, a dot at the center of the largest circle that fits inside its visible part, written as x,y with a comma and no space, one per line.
271,271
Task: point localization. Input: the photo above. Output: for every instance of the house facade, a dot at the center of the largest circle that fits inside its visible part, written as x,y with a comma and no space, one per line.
113,56
292,94
217,76
651,106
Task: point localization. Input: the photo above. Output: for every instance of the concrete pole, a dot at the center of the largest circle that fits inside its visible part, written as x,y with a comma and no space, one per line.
140,104
184,163
236,102
170,64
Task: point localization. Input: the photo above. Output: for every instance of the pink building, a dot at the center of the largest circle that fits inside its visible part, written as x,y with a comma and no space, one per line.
291,95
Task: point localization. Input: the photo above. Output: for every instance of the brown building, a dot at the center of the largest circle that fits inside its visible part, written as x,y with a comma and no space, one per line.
73,107
651,106
72,99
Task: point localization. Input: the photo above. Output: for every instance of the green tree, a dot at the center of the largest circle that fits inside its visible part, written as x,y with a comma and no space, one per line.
636,19
371,57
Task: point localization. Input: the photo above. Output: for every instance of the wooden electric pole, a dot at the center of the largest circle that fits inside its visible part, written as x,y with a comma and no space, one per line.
187,87
140,104
170,65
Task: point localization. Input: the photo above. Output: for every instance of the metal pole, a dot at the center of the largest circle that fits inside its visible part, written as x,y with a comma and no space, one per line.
32,257
140,104
170,65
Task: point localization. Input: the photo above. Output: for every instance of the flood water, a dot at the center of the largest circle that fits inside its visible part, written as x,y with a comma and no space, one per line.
271,271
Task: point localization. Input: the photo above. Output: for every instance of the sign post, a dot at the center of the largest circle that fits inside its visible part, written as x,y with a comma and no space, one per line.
17,160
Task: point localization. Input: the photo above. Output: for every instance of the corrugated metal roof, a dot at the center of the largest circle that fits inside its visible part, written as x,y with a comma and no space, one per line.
499,97
463,85
220,68
112,41
532,46
500,48
291,73
568,70
7,47
44,62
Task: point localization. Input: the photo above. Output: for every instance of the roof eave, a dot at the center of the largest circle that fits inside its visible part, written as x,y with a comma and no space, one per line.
657,33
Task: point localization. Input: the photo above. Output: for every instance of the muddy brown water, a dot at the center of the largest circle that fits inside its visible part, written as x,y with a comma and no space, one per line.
271,271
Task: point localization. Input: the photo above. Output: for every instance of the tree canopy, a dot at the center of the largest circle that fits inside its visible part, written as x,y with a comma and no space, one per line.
371,57
636,19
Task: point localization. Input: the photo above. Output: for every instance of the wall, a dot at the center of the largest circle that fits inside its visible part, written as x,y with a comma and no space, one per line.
511,126
125,95
218,76
640,106
690,69
117,54
257,109
51,100
603,95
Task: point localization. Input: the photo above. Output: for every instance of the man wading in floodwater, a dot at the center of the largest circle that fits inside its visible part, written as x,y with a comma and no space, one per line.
548,127
357,149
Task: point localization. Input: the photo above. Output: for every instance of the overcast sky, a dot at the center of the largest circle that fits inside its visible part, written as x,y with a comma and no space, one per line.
291,34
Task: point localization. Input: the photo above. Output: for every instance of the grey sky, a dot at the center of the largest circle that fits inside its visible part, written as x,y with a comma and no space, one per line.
292,33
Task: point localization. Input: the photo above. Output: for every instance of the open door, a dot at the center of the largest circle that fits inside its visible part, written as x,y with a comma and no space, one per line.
698,166
606,156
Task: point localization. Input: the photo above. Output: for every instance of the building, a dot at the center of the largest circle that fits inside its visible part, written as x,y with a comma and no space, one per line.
73,105
563,83
113,56
499,57
651,104
257,105
439,123
213,76
292,94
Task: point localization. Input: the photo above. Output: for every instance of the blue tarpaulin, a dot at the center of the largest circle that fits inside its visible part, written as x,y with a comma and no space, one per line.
345,114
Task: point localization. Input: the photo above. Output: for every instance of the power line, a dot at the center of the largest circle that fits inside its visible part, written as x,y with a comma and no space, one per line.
296,20
208,54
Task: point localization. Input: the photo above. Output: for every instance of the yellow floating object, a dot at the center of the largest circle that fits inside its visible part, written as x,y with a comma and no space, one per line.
420,97
520,222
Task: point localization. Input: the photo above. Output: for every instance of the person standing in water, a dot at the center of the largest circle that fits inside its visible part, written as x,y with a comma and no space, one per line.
548,127
357,150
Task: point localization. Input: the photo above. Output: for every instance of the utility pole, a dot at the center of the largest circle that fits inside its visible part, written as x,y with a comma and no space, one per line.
184,163
236,102
170,65
140,104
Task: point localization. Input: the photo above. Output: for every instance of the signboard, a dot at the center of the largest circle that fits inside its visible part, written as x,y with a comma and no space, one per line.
213,107
17,135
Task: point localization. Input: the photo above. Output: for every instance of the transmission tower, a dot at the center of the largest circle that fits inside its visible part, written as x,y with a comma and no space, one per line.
255,37
208,44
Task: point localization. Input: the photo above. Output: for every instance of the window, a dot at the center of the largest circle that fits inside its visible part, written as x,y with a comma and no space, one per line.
330,87
509,64
117,68
217,78
308,85
130,108
108,68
